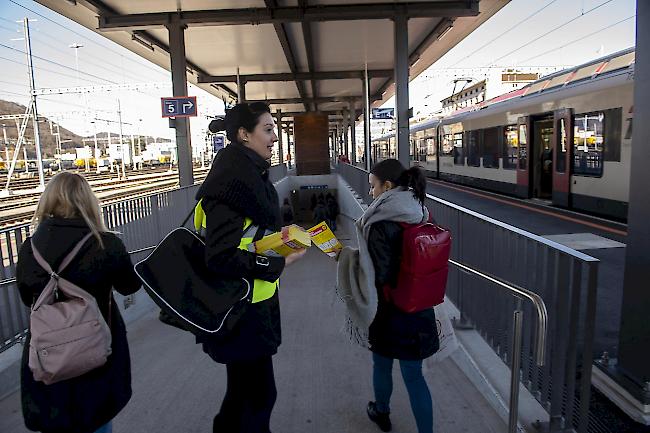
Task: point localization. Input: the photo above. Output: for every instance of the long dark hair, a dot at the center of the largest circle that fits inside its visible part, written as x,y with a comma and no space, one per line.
392,170
243,115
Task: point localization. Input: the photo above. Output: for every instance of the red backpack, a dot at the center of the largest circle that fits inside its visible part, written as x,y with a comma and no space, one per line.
423,269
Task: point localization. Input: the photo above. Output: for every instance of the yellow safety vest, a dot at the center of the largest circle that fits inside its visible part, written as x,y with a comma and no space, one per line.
262,290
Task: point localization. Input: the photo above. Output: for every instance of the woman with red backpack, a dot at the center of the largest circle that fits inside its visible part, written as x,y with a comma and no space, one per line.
366,273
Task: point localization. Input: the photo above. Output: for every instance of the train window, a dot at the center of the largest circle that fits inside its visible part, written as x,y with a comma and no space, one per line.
560,166
523,141
473,148
613,132
588,142
447,144
491,148
458,150
511,147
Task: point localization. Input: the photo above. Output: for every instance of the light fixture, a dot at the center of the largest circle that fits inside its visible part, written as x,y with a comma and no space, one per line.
416,61
444,32
72,2
142,42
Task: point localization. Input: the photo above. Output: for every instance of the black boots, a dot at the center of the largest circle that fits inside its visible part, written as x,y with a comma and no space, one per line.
381,419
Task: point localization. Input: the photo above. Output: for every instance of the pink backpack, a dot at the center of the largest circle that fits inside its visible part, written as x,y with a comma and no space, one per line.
69,336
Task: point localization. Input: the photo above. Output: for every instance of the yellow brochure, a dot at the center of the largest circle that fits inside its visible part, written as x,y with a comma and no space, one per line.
324,239
282,243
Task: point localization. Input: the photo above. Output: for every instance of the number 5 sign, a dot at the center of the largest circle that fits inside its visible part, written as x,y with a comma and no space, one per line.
179,106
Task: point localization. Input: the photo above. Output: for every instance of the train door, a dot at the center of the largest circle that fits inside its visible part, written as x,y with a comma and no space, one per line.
542,157
523,161
563,155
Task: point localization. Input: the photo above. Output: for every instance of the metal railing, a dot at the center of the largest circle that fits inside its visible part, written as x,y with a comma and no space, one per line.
142,221
564,279
517,334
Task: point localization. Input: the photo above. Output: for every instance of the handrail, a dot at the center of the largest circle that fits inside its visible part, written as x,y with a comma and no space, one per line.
538,303
534,237
517,331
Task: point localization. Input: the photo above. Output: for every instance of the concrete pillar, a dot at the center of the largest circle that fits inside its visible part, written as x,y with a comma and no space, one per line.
634,336
353,133
402,88
366,120
278,122
179,84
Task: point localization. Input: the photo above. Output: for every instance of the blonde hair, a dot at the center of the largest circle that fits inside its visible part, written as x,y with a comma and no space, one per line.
68,195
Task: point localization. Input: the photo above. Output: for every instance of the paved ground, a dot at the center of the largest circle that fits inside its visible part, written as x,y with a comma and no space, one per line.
542,222
323,381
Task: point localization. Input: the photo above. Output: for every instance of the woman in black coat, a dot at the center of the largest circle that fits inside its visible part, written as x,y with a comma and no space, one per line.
364,274
237,188
67,211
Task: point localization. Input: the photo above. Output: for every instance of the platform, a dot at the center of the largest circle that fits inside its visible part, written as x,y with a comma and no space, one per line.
324,382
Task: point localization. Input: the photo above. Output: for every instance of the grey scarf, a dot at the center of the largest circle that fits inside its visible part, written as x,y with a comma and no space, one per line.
356,273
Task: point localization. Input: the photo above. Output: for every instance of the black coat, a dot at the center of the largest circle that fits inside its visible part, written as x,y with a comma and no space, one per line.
238,186
84,403
393,333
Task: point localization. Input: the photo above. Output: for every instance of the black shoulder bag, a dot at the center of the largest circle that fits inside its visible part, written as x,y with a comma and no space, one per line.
191,296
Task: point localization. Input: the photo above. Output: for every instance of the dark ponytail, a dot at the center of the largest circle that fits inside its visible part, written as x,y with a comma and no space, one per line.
414,178
239,116
392,170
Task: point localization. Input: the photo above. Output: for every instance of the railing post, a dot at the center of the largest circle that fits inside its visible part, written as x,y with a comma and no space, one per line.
517,332
156,217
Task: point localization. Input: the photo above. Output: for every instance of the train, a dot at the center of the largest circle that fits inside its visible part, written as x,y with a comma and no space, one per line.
564,139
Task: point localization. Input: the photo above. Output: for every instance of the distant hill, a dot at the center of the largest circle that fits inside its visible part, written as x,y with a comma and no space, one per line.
69,140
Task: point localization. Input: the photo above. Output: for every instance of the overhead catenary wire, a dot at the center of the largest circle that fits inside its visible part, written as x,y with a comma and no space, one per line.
504,33
58,64
87,38
580,38
551,31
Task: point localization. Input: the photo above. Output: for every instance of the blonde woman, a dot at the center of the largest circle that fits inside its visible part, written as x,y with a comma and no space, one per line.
67,211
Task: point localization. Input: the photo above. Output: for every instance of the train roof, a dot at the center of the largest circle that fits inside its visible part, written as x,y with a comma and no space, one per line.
603,67
597,69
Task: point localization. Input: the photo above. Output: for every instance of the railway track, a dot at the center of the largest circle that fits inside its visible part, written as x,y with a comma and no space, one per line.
32,182
14,213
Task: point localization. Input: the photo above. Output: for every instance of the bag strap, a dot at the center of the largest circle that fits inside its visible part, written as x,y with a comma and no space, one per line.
189,215
66,260
259,234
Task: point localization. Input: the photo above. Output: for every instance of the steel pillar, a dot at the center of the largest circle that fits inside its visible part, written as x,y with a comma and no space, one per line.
346,138
634,336
241,90
179,83
353,133
366,120
279,126
402,88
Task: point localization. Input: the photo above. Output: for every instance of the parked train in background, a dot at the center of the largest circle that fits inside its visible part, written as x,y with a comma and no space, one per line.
565,139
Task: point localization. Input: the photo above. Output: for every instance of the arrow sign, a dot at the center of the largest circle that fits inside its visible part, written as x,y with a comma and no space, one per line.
179,106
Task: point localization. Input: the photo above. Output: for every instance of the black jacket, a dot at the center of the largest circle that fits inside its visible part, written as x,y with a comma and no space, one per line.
238,186
84,403
394,334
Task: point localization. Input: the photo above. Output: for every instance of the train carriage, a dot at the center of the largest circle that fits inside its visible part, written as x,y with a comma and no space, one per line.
564,139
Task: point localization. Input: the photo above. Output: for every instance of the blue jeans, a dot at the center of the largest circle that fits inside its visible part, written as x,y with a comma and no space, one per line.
106,428
417,388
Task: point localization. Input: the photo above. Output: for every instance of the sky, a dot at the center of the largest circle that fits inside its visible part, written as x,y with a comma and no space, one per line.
547,34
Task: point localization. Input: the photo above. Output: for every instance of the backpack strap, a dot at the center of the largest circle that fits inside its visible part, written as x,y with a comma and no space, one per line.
66,260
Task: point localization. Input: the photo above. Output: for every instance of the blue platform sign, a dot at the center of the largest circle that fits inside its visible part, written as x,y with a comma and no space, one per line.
179,106
383,113
217,143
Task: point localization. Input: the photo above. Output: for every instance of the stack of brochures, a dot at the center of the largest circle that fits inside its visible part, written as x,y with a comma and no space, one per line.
293,238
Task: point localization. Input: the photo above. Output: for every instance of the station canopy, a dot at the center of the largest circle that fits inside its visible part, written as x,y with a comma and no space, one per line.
299,55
